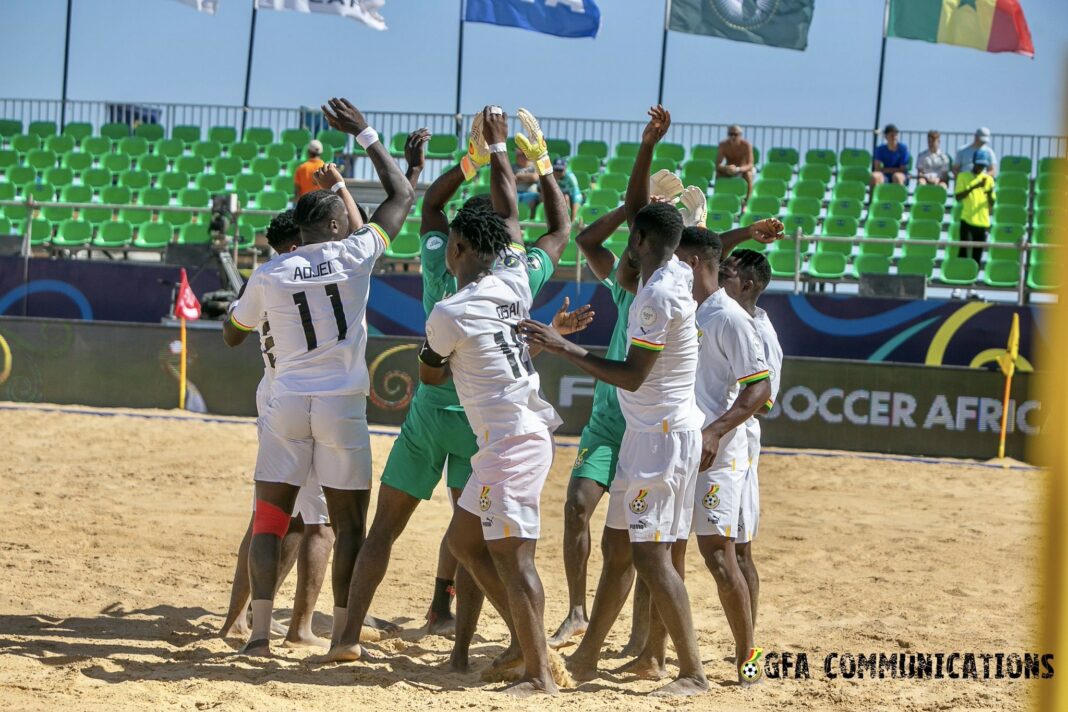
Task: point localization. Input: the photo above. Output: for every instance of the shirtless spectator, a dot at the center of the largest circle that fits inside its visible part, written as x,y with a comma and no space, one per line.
735,158
932,166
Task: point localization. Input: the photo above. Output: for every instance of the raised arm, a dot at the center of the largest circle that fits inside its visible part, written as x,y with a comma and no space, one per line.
444,188
329,178
592,238
502,180
638,186
628,375
415,155
390,215
557,218
766,231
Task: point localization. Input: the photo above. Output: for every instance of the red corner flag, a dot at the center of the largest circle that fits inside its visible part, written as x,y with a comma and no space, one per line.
186,305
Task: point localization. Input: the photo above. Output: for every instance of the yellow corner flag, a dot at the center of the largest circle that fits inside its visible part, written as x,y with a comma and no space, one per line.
1007,360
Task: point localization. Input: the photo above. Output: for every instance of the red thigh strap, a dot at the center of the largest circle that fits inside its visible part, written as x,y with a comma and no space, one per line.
270,519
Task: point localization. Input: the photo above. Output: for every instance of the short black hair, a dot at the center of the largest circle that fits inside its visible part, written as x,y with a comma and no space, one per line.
484,229
753,265
702,242
480,201
282,230
660,223
316,207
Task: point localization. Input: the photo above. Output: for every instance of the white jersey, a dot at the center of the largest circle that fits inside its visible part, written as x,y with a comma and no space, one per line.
773,356
474,330
661,318
315,301
731,354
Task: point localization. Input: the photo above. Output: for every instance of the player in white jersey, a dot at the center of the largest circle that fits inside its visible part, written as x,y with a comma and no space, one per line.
745,275
315,298
472,336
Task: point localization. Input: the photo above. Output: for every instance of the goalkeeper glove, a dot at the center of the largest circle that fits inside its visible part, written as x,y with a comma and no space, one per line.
665,184
694,207
533,147
477,150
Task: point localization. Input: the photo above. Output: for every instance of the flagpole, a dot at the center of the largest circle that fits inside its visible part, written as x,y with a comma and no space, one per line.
663,52
181,370
460,75
882,66
248,69
66,68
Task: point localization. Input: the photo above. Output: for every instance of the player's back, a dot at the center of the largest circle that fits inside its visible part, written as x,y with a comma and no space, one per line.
315,300
769,340
661,318
728,346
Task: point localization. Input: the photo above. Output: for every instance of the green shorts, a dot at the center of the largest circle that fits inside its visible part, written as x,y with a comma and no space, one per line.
430,440
597,456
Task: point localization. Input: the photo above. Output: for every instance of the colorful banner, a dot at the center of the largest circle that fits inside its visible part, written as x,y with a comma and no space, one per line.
777,23
563,18
987,25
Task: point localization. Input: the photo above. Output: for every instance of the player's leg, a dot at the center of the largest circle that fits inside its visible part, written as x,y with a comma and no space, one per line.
743,547
439,619
469,600
640,618
235,623
583,494
469,548
312,561
650,662
744,552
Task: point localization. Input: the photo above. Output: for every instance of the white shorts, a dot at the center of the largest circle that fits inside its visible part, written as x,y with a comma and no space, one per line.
652,493
750,516
328,433
504,489
719,491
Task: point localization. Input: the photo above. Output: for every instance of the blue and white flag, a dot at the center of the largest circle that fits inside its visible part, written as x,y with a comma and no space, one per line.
563,18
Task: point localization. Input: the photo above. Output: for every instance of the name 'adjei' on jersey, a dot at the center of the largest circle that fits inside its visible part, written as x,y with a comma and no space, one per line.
315,300
730,352
495,379
661,318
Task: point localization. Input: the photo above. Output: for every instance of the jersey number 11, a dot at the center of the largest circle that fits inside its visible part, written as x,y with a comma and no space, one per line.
301,300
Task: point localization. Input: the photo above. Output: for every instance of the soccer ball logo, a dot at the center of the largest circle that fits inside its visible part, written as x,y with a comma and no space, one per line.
711,499
484,499
638,505
750,670
581,458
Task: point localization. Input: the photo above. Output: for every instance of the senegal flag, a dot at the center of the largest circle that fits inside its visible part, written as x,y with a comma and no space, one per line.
988,25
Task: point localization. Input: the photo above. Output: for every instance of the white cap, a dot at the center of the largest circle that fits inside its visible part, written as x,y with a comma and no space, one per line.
983,133
315,146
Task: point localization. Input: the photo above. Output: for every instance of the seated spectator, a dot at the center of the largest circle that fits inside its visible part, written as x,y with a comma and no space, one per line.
966,154
932,166
891,164
304,176
526,181
735,158
569,186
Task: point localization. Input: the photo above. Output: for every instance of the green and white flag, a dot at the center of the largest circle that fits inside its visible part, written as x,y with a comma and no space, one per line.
778,23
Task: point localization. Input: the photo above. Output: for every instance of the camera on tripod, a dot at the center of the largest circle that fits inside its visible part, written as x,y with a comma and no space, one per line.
223,208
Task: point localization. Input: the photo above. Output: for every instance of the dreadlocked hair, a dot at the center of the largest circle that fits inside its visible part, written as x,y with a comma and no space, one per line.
315,207
484,229
702,242
282,230
755,264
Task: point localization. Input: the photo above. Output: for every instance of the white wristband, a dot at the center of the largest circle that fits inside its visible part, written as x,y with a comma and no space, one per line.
367,137
337,186
498,147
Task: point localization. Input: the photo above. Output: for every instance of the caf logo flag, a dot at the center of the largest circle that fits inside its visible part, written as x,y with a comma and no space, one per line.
778,23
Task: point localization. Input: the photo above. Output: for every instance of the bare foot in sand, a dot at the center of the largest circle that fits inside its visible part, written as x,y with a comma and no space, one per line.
645,668
441,624
633,648
573,626
380,625
306,640
343,654
580,670
529,688
259,648
682,687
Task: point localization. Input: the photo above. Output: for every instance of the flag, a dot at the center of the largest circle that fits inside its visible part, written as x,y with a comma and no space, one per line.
779,23
563,18
208,6
1007,360
366,11
988,25
186,305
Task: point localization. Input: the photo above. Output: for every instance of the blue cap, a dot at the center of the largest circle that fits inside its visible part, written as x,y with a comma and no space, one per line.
982,158
560,164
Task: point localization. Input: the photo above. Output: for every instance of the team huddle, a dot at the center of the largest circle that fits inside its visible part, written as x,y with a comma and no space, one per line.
673,438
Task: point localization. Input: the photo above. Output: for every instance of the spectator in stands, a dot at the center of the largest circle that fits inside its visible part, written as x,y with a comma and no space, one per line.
526,181
891,161
304,177
569,186
966,155
932,166
977,202
735,158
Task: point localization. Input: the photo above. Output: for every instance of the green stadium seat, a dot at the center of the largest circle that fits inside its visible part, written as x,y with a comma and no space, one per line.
929,193
42,129
846,207
919,229
1050,216
442,146
1005,242
888,209
114,234
557,147
870,263
777,171
826,265
627,149
596,149
731,186
21,176
41,159
613,181
785,155
1051,183
258,135
660,164
246,236
154,235
783,264
58,177
189,198
705,152
850,190
767,205
40,192
588,213
891,192
821,157
266,166
748,218
675,151
170,148
700,166
149,132
726,202
211,182
396,144
116,195
603,196
404,246
7,192
208,150
10,128
917,265
245,151
250,183
174,181
620,164
96,216
879,228
116,131
1043,235
152,163
1049,164
928,211
336,140
6,227
1016,181
297,138
770,187
154,196
59,144
719,221
817,172
116,162
192,165
40,232
188,135
194,234
838,226
1015,164
24,143
77,130
73,234
583,162
1012,196
135,180
959,271
699,180
856,157
1043,276
227,166
854,174
60,213
1014,214
794,221
9,157
284,152
272,200
800,205
133,146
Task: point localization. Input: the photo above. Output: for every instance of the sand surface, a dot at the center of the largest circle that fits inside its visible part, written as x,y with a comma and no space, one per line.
119,537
